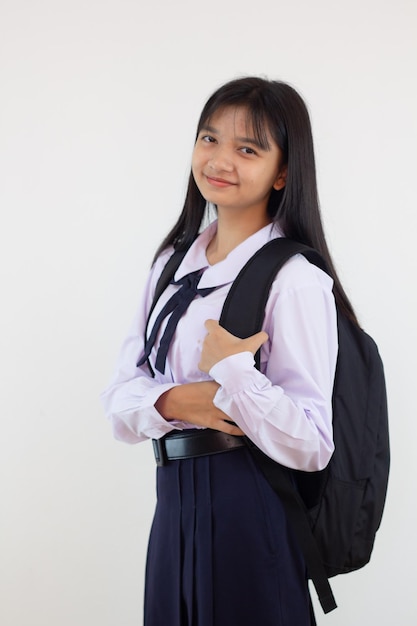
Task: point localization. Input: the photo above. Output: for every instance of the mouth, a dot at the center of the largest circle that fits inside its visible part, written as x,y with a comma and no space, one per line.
219,182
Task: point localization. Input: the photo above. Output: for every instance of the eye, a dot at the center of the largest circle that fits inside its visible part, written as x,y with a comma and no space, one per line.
247,150
208,139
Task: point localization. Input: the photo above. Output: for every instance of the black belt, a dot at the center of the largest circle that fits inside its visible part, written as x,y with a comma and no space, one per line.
187,444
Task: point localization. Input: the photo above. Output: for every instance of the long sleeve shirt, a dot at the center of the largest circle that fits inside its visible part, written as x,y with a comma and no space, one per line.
285,408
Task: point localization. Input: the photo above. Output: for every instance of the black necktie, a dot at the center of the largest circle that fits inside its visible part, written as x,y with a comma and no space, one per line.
176,305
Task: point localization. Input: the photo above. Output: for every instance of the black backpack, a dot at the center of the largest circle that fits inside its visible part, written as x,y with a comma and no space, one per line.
336,512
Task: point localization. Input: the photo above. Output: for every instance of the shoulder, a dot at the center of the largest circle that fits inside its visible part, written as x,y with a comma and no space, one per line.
160,262
300,286
299,273
301,297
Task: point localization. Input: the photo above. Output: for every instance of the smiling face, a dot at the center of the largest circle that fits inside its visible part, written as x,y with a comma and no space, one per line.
231,169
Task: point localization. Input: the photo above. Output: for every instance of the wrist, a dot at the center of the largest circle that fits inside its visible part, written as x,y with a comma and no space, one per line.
165,404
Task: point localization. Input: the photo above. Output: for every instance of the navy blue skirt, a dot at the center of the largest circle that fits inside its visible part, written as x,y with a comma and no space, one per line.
220,550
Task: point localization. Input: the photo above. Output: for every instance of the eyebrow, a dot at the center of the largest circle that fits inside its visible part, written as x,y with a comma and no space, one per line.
250,140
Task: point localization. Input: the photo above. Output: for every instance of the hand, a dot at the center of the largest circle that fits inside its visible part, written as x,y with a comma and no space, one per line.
219,344
193,402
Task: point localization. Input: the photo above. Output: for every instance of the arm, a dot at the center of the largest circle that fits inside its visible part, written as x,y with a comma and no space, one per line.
194,402
141,407
286,408
129,400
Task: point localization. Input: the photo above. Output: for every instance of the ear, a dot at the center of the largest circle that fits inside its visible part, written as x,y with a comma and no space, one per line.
281,178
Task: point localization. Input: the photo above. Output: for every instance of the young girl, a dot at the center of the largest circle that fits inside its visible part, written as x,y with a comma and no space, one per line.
221,552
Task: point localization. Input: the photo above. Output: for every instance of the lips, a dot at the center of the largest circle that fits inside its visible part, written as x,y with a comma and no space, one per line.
219,182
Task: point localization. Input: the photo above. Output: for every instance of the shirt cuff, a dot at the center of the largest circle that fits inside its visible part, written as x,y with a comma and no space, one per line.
235,373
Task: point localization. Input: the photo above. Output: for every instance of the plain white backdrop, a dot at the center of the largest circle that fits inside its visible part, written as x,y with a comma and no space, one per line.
99,103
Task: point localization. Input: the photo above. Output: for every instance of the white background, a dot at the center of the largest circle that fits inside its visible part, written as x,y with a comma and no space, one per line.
99,102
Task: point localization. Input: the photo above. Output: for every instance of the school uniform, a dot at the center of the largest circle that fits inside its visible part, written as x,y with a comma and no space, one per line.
220,551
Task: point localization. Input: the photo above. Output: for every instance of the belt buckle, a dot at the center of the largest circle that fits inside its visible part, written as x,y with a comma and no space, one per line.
159,451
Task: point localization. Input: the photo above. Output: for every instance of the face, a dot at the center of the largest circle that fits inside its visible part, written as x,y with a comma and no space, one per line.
229,166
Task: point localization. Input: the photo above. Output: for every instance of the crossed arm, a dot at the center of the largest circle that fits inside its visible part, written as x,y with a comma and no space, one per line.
194,401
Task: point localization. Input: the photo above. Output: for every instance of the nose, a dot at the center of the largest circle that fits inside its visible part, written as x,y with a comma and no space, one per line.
221,160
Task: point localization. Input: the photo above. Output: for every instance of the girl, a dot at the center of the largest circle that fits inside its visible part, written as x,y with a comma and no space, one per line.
221,552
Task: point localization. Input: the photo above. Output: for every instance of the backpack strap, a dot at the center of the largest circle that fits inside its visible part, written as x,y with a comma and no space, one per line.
165,278
245,315
242,315
167,275
281,481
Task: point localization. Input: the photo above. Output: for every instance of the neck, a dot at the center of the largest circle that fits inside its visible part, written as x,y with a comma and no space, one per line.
232,230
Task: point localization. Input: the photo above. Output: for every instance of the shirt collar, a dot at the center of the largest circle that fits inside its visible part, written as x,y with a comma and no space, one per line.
224,271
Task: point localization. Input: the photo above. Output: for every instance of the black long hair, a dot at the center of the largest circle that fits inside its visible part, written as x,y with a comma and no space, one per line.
275,106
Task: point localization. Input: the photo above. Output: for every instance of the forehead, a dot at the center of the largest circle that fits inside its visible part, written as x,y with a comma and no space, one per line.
236,118
240,121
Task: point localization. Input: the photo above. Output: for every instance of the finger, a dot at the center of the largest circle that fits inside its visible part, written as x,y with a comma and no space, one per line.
211,325
230,429
253,343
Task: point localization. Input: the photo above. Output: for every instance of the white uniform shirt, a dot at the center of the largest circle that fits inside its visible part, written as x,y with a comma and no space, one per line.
285,408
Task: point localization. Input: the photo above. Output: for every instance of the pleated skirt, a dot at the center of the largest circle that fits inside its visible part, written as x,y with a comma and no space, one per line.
220,550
